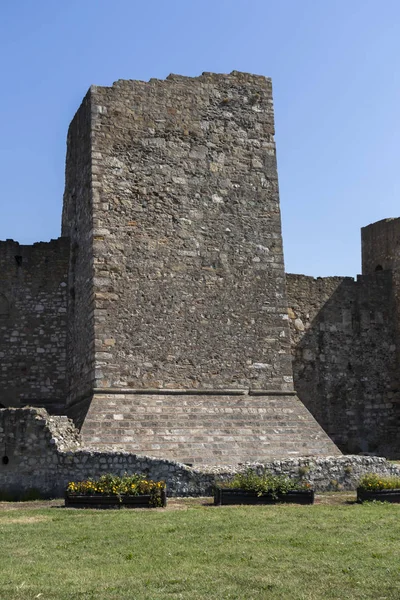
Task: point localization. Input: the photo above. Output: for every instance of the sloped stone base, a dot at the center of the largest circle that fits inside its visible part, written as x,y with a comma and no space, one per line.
212,429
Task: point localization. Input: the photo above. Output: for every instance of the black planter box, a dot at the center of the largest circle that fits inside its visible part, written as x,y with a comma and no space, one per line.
99,501
380,495
238,496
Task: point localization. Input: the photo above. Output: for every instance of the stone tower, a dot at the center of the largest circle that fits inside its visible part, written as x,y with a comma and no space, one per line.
178,340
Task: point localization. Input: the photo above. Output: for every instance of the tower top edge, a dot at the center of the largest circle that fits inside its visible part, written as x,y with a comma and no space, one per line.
381,222
205,77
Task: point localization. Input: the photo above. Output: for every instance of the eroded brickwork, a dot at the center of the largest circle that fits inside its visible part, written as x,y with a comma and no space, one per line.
33,323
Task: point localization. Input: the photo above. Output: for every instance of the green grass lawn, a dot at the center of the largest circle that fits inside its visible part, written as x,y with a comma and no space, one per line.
341,551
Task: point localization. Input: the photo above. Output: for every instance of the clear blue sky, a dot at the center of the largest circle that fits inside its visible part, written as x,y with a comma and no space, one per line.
335,66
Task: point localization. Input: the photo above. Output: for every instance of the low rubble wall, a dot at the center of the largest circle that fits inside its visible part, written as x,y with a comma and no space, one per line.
42,453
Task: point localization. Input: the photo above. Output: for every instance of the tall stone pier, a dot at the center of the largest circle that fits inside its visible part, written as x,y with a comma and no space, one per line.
178,340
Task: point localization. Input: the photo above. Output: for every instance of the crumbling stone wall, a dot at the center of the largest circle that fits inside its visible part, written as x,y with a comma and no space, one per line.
44,454
33,323
345,359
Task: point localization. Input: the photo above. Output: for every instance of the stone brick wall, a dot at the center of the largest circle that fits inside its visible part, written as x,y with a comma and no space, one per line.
170,276
345,359
44,454
189,282
380,243
204,428
77,224
33,325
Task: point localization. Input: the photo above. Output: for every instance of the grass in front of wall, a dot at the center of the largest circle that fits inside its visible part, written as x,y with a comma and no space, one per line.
202,552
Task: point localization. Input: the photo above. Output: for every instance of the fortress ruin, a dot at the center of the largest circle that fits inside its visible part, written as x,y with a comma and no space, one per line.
162,321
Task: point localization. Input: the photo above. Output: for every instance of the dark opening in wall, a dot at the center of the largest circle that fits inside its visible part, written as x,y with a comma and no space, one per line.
18,260
4,306
378,268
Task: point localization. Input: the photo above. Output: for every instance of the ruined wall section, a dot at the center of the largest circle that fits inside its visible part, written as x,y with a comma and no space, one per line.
77,223
44,454
345,360
189,281
33,312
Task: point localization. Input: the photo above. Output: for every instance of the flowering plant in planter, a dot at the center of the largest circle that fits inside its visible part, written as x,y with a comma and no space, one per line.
373,482
120,487
266,486
266,483
383,488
